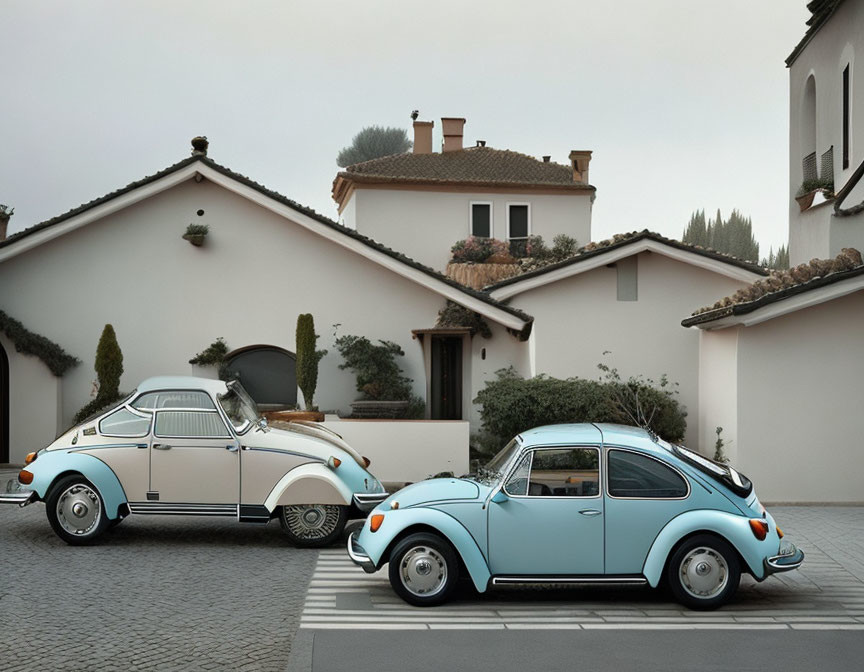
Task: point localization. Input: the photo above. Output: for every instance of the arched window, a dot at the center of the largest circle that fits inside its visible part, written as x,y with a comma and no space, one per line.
808,130
267,372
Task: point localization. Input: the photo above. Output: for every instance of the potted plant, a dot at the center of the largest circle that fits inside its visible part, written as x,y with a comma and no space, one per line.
810,188
200,144
196,233
209,362
386,392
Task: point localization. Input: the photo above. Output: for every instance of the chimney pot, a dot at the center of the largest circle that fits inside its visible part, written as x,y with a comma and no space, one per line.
452,128
579,160
547,158
481,143
423,137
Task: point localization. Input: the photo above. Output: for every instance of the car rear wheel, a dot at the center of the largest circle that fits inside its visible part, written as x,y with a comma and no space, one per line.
424,569
704,572
313,525
76,511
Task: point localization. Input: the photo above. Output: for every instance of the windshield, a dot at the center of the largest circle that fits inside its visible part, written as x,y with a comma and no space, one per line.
239,407
496,464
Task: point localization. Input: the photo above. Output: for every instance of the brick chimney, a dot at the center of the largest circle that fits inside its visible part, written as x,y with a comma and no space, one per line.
452,128
579,160
423,137
5,213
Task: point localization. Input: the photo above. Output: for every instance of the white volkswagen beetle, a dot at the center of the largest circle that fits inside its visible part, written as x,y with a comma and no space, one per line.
196,447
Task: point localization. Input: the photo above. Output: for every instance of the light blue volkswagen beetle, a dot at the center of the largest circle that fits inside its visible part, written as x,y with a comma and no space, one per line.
584,503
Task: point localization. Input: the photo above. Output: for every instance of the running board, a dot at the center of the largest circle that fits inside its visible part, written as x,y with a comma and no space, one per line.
170,509
534,580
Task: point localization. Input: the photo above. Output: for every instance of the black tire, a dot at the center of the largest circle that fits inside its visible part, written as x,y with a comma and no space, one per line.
704,572
76,511
423,555
313,525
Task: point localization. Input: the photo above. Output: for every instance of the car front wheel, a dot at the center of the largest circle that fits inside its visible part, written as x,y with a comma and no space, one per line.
76,511
424,569
704,572
313,525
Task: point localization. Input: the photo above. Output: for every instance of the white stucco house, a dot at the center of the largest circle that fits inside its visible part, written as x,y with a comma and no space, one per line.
826,132
422,202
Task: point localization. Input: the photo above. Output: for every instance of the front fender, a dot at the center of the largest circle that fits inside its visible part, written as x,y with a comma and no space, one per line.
50,464
734,528
309,484
396,522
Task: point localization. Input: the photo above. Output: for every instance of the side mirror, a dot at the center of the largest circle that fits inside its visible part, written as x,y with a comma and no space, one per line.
500,497
262,423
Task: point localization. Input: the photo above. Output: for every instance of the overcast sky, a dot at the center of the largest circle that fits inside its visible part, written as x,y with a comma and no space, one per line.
684,103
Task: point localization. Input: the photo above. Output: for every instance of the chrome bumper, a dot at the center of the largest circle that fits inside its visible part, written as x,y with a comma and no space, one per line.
366,501
358,555
15,493
791,559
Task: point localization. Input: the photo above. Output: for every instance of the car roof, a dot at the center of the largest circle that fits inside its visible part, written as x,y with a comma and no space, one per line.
588,432
210,385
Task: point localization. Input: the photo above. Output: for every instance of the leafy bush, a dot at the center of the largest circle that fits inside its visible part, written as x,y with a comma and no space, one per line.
532,246
56,358
109,364
817,183
373,142
512,404
475,249
379,376
197,230
454,315
307,358
212,355
563,246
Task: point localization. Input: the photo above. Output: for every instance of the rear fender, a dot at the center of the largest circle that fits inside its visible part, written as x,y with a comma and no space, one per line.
309,484
375,544
52,464
733,528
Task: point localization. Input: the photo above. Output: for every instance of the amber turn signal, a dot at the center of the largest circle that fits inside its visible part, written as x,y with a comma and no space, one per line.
26,477
759,527
366,461
334,462
779,533
376,521
30,457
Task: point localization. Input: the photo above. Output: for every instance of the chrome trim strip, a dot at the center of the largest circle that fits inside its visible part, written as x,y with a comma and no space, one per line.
531,580
311,458
21,497
366,501
182,509
772,564
358,555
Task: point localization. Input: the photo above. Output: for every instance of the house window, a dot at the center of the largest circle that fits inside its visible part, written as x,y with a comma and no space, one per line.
518,221
628,278
807,127
481,220
846,117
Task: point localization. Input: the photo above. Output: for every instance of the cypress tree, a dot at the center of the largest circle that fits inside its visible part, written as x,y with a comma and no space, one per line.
307,358
109,365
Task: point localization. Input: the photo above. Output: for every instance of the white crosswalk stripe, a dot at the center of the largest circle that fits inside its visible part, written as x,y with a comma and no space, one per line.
342,596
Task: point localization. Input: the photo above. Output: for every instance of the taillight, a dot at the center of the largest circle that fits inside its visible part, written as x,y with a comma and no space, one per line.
366,461
26,477
375,521
759,527
30,457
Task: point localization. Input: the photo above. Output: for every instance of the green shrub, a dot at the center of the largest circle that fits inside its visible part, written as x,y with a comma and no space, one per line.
379,376
212,355
563,246
454,315
512,404
307,358
109,364
26,342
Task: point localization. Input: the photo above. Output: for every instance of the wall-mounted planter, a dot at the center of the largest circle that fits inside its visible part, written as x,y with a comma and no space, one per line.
197,239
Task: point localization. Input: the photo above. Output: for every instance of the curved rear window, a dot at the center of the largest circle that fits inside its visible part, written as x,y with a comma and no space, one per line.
722,473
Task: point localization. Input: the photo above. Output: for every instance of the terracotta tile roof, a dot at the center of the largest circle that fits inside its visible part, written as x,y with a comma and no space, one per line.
473,166
309,212
619,240
820,12
782,285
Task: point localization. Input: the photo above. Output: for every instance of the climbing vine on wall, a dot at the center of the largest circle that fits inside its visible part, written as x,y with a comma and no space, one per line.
56,358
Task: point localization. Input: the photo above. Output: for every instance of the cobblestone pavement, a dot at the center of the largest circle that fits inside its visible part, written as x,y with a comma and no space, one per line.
827,593
158,593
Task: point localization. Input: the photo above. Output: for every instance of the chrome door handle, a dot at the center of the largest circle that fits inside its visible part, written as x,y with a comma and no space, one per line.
231,447
162,446
590,512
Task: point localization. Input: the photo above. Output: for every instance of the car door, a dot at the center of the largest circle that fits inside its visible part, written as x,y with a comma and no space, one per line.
194,458
551,522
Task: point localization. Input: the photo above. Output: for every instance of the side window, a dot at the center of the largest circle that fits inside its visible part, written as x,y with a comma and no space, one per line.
481,220
190,424
124,422
173,399
517,484
638,476
565,472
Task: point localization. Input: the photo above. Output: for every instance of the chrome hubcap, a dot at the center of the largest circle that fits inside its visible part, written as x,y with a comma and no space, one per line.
423,571
311,521
704,573
79,509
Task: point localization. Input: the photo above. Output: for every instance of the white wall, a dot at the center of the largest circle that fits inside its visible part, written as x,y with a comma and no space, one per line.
34,398
168,300
839,42
718,391
425,224
800,397
407,450
579,318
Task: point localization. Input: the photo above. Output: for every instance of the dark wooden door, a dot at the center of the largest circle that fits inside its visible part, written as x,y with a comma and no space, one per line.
446,378
4,406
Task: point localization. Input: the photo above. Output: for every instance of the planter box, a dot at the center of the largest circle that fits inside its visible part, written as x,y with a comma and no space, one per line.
478,276
378,409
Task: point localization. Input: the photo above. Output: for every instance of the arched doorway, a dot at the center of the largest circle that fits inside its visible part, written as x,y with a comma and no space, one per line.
4,406
268,373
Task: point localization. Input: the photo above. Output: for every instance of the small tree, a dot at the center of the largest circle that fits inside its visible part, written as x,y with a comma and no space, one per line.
307,358
109,365
379,376
373,142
